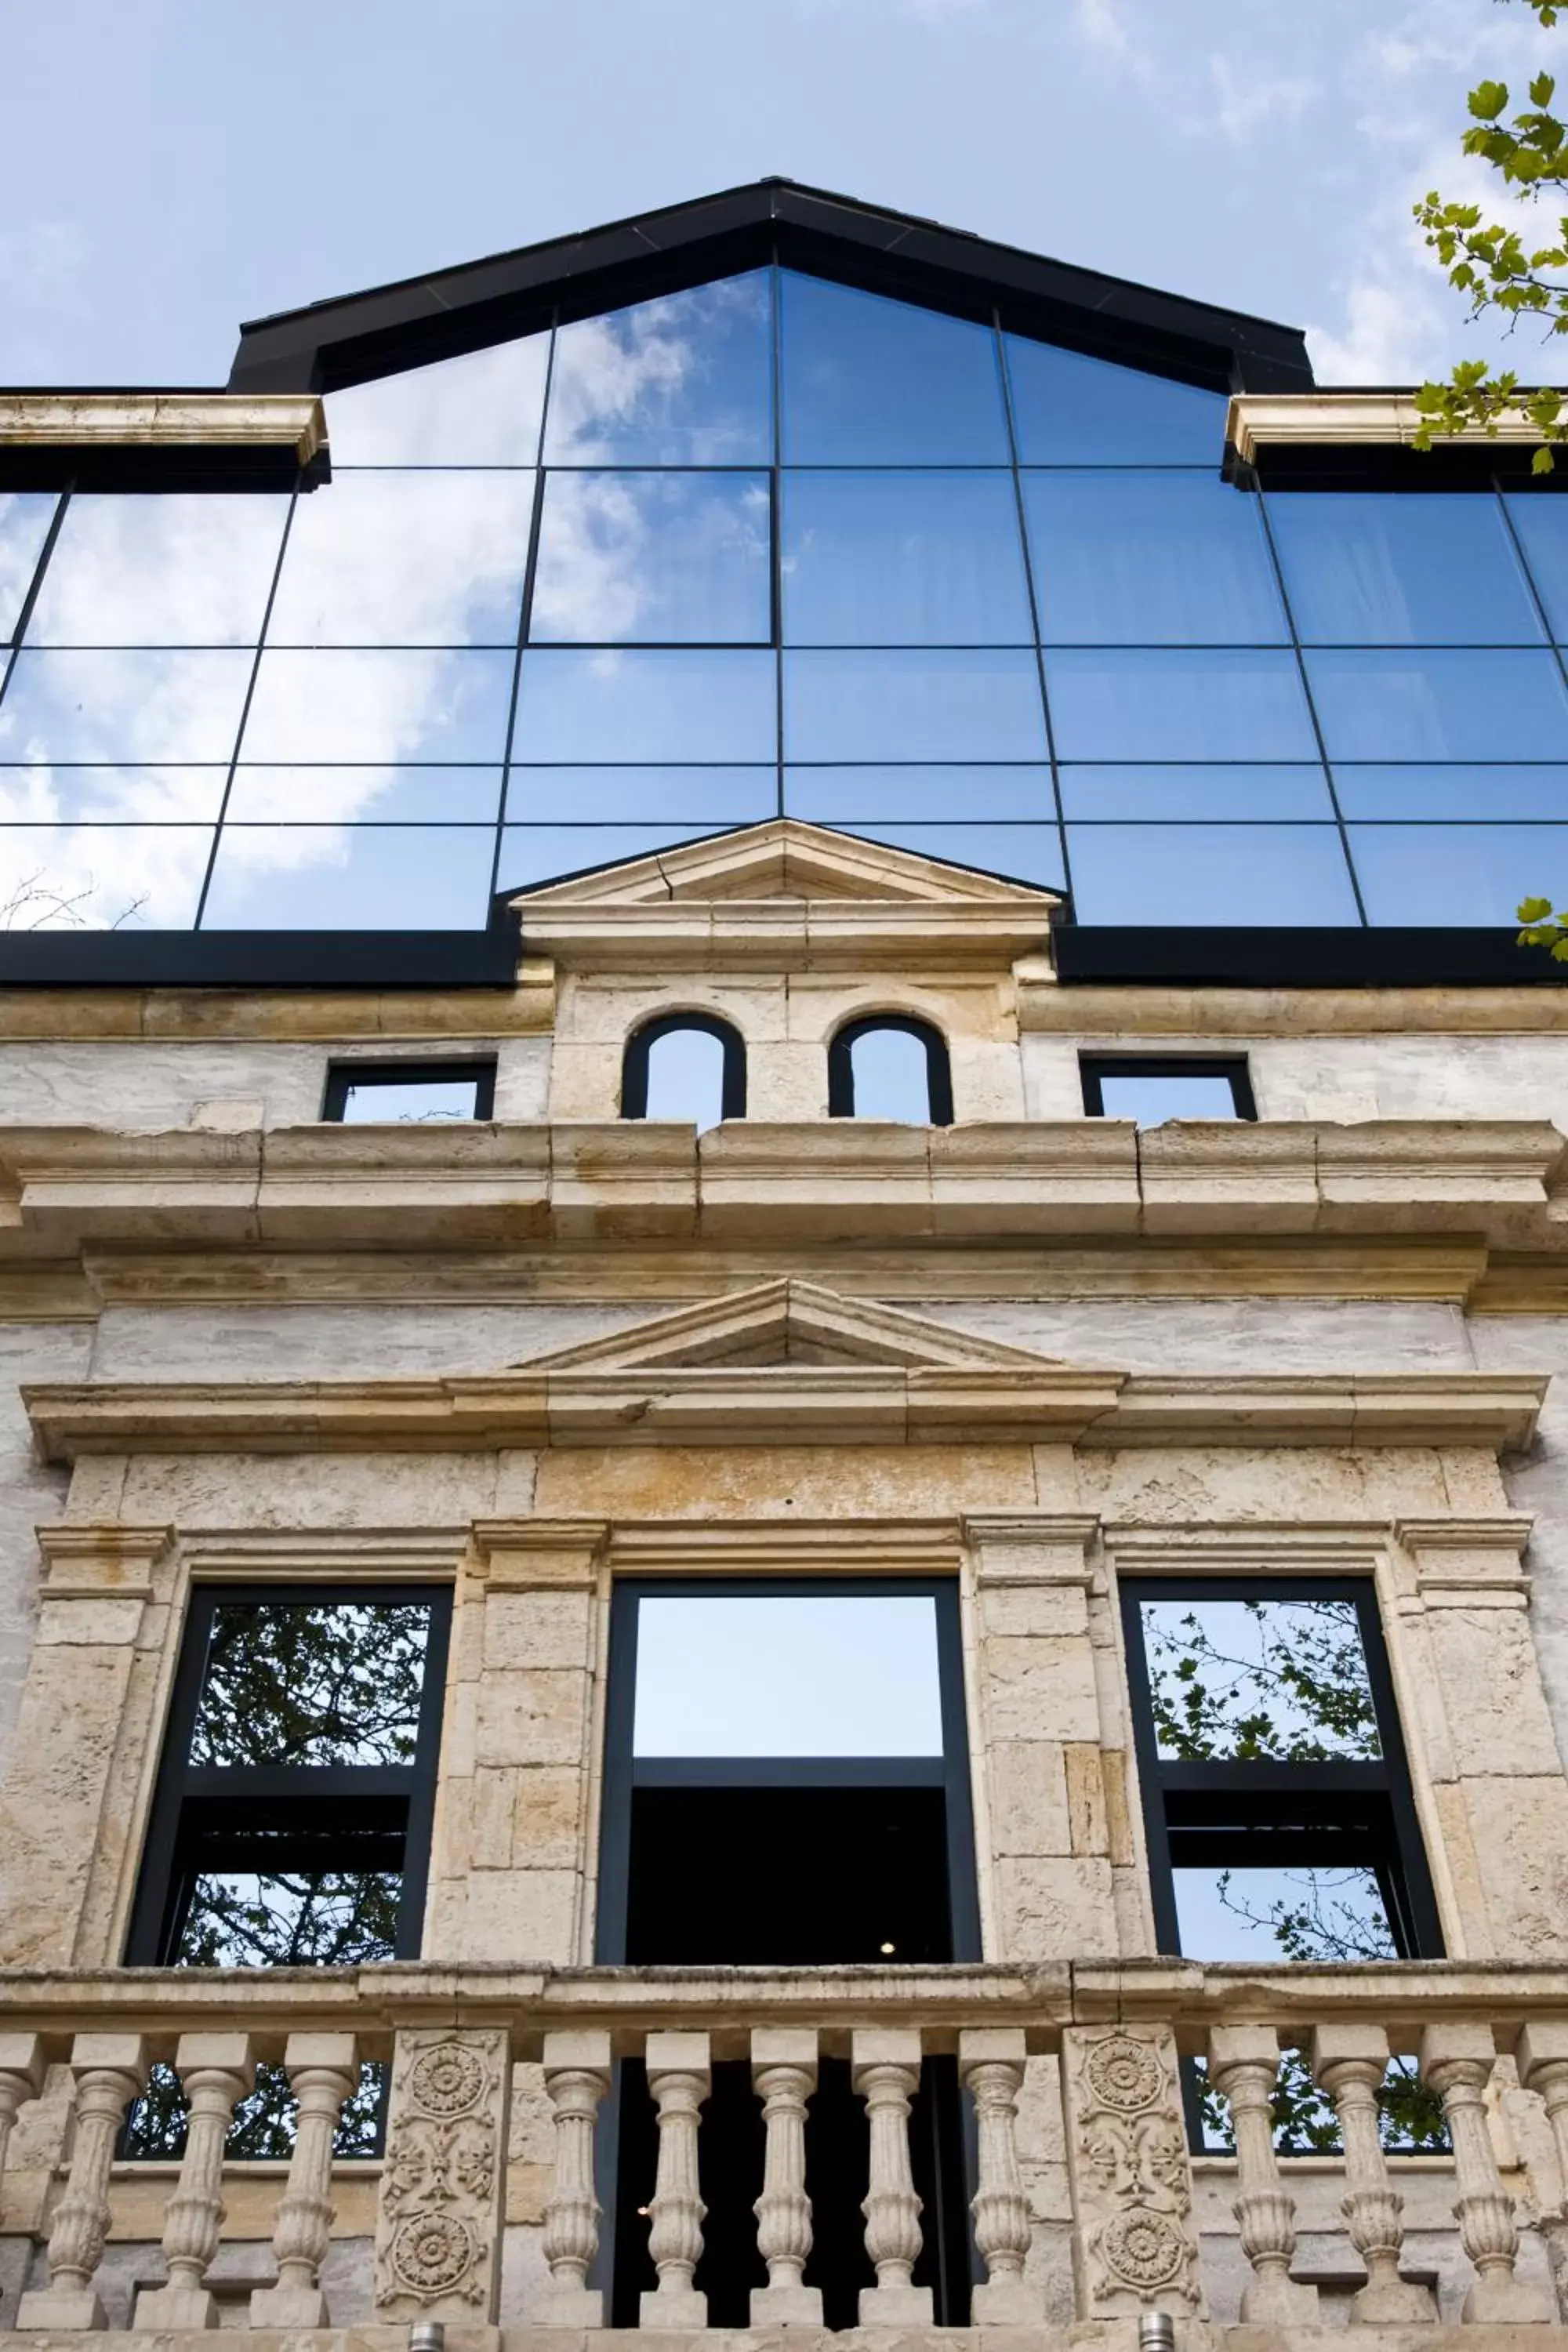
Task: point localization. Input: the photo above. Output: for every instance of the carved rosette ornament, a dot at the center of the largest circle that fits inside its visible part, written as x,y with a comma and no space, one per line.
1135,2246
438,2242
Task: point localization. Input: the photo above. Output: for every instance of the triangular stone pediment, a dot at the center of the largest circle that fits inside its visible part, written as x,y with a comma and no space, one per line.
784,1323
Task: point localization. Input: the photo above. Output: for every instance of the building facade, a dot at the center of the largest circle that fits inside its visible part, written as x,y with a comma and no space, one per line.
783,1534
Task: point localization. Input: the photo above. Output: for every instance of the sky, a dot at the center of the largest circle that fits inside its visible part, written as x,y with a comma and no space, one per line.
171,169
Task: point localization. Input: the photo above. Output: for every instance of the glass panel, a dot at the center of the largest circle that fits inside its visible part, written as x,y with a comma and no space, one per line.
1457,792
378,706
1217,874
701,796
686,1077
45,796
433,559
351,877
835,795
1422,875
25,519
101,877
1440,705
683,379
1136,558
1429,568
547,853
160,571
1152,1100
422,1102
1244,792
913,705
1269,1913
1542,527
774,1674
1178,705
868,382
907,559
383,795
891,1077
123,706
1071,410
264,2124
311,1683
1018,853
1244,1679
644,707
481,409
276,1919
645,558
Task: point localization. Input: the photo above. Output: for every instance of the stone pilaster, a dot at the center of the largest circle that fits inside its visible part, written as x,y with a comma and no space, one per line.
437,2243
1135,2248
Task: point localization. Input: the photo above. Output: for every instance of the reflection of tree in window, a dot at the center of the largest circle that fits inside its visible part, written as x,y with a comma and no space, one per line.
263,2124
299,1685
291,1919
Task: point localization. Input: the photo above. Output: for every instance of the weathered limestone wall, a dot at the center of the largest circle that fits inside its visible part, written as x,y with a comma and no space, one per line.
29,1494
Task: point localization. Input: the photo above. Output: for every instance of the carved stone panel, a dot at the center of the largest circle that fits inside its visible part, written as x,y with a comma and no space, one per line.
1135,2247
438,2244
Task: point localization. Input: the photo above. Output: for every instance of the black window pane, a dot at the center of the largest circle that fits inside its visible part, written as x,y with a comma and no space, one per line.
909,707
903,559
25,518
1406,793
1223,875
1245,793
683,379
1149,558
1440,705
1541,523
1071,410
645,707
686,1077
1150,1099
1251,1678
867,381
1424,568
297,1683
290,1919
1161,705
644,558
1433,874
405,559
481,409
183,570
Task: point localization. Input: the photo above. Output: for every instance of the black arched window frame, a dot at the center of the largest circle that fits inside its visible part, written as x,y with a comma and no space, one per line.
841,1067
634,1066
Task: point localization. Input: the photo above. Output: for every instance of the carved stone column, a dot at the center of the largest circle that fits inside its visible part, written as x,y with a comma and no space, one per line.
110,2070
885,2068
1349,2061
21,2079
437,2240
1456,2060
1244,2066
1134,2247
990,2062
322,2071
215,2070
784,2070
1541,2054
576,2077
679,2078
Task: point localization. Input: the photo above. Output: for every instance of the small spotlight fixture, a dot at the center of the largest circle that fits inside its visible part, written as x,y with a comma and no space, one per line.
887,1948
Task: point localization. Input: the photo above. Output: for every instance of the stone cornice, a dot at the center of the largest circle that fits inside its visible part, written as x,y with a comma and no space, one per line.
166,420
1257,421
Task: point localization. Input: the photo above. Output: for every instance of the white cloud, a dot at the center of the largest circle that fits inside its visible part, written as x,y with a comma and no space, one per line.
1244,106
44,265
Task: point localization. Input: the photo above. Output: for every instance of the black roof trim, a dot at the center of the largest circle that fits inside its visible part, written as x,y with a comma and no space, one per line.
1393,466
1109,956
139,466
270,960
356,337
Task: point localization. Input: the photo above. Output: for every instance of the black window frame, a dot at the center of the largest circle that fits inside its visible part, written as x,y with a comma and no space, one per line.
634,1061
1095,1068
1397,1852
340,1796
939,1066
342,1076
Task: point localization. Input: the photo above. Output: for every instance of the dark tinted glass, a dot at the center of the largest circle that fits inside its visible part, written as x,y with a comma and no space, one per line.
840,795
405,559
1070,410
627,558
25,518
122,708
913,705
1158,705
1152,1100
1147,558
871,382
482,409
697,796
176,571
294,1683
1246,794
1440,705
377,706
1463,792
685,380
903,559
644,707
1429,568
1541,523
686,1077
350,877
1215,874
1417,874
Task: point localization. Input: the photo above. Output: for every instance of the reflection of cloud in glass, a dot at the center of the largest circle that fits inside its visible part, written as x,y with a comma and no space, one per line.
651,557
351,877
481,409
176,571
336,795
123,709
101,877
379,708
405,559
24,524
682,380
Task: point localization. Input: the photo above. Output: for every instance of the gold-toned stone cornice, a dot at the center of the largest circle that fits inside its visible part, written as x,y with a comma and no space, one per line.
1259,421
164,420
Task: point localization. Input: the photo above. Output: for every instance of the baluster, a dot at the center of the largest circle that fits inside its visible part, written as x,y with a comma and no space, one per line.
21,2079
576,2077
110,2070
1542,2052
990,2062
784,2073
1458,2059
322,2071
1349,2060
885,2068
215,2070
1244,2066
679,2077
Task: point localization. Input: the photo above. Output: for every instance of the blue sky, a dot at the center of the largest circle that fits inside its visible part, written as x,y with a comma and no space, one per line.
170,169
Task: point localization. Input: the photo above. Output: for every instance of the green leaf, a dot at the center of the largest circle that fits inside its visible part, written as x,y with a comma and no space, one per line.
1488,99
1533,911
1541,90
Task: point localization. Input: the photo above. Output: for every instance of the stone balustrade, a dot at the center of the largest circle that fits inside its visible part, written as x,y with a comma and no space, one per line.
1114,2036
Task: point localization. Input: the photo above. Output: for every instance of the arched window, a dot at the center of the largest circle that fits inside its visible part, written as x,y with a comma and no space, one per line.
685,1065
891,1065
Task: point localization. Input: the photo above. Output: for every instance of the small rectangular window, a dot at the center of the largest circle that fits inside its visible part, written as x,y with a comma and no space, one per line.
409,1093
1154,1087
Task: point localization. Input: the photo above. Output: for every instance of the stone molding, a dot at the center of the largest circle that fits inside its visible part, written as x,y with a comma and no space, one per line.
110,1560
327,1554
164,420
1134,2240
443,2184
1469,1562
1256,421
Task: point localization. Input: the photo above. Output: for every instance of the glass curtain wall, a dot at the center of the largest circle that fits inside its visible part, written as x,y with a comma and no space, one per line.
777,545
